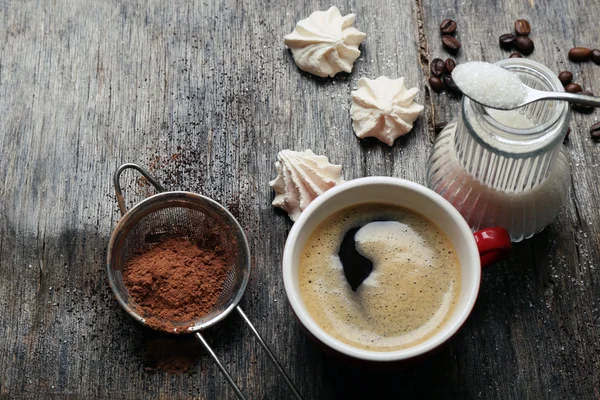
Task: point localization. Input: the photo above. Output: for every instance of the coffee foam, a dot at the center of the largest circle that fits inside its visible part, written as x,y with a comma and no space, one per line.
409,295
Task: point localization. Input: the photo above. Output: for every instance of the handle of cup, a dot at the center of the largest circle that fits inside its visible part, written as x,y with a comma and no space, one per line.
493,243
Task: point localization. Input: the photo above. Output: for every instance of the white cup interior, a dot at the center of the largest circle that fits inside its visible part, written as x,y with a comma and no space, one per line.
398,192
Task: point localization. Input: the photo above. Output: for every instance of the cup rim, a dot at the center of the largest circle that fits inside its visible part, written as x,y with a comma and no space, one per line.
295,300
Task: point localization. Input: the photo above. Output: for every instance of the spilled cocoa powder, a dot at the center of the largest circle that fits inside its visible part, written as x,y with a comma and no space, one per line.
176,280
172,355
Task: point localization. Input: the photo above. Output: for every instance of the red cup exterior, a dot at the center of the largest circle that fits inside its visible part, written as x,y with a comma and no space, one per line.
494,244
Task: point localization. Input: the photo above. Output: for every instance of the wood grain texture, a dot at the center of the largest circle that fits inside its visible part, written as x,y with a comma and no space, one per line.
205,94
535,331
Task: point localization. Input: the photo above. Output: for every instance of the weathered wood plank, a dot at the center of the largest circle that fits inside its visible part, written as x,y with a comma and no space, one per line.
535,332
86,86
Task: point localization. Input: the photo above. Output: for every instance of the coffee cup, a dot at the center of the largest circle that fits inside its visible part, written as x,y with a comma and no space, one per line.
473,250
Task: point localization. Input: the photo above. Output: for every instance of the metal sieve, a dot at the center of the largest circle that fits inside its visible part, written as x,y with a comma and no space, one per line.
196,217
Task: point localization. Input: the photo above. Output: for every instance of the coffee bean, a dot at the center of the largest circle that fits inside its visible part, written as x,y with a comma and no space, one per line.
581,107
507,41
448,27
524,44
451,44
436,84
595,130
565,77
522,27
515,55
596,56
437,67
439,127
450,64
573,88
450,85
579,54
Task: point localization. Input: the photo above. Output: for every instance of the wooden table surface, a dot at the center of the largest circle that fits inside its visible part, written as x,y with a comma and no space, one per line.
206,94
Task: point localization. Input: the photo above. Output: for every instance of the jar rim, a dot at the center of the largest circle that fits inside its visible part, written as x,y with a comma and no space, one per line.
521,142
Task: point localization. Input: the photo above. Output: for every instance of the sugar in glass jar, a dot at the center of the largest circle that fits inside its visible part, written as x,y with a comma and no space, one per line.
506,168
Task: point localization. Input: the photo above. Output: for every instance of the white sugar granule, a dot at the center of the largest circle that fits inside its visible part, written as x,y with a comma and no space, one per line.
490,84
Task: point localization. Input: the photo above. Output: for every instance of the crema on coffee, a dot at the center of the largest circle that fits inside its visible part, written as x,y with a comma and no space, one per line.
410,293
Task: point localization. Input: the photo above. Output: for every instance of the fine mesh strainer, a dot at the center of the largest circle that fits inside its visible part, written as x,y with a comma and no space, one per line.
198,218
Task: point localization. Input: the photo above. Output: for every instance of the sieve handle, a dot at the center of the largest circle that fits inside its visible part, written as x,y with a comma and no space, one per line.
235,387
269,353
117,182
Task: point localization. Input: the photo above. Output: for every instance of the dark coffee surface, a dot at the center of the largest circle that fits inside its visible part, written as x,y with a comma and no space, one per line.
357,267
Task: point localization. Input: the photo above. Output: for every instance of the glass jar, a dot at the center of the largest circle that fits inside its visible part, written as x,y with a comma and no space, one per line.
506,168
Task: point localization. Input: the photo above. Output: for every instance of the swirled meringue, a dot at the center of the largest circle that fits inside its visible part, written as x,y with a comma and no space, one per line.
301,177
325,43
383,108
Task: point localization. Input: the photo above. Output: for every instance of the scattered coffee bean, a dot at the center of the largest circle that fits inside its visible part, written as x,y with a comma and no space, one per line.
436,84
515,55
573,88
581,107
437,67
522,27
579,54
567,135
450,64
439,127
450,85
448,27
507,41
565,77
595,130
451,44
524,44
596,56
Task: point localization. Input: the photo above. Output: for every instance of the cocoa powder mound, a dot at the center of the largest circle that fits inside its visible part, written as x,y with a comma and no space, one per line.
176,280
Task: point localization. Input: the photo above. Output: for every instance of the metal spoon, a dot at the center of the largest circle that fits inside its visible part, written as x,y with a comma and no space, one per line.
537,95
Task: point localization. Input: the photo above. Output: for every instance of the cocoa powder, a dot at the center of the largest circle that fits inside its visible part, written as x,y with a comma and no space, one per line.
176,281
171,355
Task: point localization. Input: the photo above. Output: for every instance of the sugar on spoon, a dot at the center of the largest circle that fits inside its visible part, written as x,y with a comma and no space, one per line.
496,87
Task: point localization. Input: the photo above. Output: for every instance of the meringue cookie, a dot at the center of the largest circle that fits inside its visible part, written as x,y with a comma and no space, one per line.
301,177
383,108
325,43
